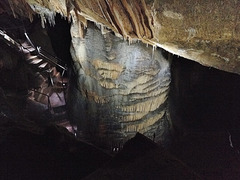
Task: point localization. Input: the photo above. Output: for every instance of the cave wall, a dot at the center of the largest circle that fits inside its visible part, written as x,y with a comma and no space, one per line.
122,87
204,31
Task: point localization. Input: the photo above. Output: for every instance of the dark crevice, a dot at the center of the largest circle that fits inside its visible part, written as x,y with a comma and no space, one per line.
61,39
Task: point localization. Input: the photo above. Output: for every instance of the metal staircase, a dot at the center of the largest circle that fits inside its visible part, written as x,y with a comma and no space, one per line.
43,64
35,55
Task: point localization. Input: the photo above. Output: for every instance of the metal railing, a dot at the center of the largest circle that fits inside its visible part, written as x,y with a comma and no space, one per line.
40,52
48,97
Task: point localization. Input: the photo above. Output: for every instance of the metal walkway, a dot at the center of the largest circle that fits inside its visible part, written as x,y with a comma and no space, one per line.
44,64
35,55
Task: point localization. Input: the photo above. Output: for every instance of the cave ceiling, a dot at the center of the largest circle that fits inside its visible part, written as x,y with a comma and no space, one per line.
207,32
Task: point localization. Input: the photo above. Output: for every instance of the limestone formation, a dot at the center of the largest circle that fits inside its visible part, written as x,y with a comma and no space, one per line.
123,95
204,31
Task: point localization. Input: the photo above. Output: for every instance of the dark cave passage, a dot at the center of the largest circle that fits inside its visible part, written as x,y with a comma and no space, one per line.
61,39
203,98
204,107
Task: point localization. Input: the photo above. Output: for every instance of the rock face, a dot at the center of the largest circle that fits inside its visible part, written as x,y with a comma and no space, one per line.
122,87
206,32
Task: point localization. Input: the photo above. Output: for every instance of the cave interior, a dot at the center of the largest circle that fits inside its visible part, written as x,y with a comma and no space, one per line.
203,103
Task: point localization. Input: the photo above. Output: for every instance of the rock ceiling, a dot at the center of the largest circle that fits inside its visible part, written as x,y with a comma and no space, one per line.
204,31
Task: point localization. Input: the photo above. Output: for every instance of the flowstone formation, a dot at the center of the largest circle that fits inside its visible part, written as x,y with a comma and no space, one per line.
122,88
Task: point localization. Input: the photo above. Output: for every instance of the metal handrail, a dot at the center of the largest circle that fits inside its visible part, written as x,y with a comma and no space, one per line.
42,53
49,102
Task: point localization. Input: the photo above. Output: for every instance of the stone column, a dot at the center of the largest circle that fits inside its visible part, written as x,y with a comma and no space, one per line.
122,88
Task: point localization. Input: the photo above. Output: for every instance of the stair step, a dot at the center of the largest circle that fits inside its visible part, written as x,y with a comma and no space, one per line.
27,47
26,50
31,57
40,66
43,65
36,61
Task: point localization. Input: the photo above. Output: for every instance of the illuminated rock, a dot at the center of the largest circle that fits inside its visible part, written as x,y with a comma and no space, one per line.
122,96
206,32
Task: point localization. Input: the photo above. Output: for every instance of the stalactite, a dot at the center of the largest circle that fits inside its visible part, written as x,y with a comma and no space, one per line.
129,40
45,15
154,47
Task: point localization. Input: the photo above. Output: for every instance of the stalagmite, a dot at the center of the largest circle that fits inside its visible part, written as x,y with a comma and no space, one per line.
123,95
